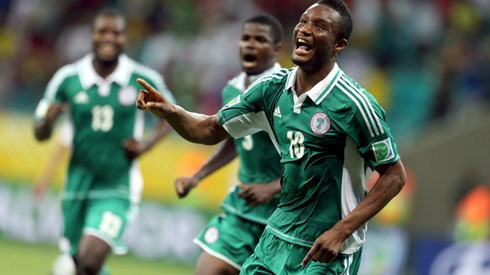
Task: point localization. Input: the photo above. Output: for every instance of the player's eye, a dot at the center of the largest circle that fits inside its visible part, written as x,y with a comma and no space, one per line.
245,37
320,27
261,39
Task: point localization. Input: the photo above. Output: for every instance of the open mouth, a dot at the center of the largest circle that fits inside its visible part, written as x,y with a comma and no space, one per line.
304,45
249,58
107,48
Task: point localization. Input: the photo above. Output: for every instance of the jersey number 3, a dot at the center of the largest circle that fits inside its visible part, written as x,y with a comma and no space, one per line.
248,143
296,146
102,118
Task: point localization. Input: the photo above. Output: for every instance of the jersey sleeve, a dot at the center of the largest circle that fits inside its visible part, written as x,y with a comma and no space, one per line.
54,92
365,123
245,114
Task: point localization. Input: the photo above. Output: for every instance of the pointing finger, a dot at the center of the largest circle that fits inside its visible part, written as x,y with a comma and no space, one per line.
309,256
147,86
140,103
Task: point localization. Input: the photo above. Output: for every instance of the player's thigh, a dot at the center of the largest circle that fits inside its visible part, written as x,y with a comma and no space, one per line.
230,239
208,264
74,205
92,250
73,222
107,219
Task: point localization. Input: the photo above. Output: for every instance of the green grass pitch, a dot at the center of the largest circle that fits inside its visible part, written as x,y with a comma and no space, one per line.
27,259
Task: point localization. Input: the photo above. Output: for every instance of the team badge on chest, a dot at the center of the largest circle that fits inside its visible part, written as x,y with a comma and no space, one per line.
319,123
127,96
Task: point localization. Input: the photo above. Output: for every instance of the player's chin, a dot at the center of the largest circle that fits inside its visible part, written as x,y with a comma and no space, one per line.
107,57
250,68
300,60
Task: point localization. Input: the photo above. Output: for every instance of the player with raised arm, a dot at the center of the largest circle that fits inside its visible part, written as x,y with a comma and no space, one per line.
104,184
328,130
230,238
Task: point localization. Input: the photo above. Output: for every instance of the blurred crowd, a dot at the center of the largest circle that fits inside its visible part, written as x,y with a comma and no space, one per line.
423,60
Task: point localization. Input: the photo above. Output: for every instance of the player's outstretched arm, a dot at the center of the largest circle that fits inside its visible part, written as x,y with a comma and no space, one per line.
196,128
391,181
225,153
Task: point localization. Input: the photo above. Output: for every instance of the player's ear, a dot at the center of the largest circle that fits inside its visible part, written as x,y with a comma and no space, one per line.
277,48
340,45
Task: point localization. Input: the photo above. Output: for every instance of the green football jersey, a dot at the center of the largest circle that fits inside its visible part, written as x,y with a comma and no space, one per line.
259,161
103,115
327,137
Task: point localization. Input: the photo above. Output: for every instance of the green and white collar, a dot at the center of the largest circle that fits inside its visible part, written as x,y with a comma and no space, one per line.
239,81
89,77
317,93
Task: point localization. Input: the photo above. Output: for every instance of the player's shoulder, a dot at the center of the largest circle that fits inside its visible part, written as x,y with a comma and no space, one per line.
66,71
348,94
271,81
347,90
237,80
145,72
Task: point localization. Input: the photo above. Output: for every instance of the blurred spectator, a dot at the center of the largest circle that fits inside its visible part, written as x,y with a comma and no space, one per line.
423,60
472,214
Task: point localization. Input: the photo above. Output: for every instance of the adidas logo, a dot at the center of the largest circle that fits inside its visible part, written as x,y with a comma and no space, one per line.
277,112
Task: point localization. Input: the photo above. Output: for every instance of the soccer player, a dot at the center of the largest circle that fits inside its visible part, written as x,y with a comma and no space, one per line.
231,237
328,130
104,183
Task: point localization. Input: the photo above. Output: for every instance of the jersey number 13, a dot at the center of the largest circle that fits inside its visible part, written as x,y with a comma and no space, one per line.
102,118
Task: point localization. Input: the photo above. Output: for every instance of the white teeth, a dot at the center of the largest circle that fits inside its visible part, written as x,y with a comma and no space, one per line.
301,40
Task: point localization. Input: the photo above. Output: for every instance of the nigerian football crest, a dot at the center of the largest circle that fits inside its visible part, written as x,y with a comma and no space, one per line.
127,96
211,235
319,123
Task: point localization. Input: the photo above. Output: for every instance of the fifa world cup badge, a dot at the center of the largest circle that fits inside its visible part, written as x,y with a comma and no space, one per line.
319,123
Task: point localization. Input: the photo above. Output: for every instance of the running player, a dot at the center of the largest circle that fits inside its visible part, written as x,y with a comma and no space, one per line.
104,183
328,130
231,237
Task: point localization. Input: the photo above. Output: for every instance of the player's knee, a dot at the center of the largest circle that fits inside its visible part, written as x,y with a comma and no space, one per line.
89,264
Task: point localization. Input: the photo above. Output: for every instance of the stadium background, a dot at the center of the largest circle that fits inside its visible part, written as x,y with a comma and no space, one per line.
427,63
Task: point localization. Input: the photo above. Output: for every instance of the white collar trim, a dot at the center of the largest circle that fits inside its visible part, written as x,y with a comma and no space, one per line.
89,77
317,90
239,81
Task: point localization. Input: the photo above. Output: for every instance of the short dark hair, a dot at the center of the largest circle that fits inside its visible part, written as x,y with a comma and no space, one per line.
345,15
269,20
110,12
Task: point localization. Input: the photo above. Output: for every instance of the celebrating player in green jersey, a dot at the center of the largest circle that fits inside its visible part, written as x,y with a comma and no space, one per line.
328,130
104,183
230,238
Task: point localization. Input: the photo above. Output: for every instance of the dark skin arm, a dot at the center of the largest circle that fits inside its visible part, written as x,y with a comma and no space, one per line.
254,194
220,157
391,181
196,128
135,148
44,128
259,193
